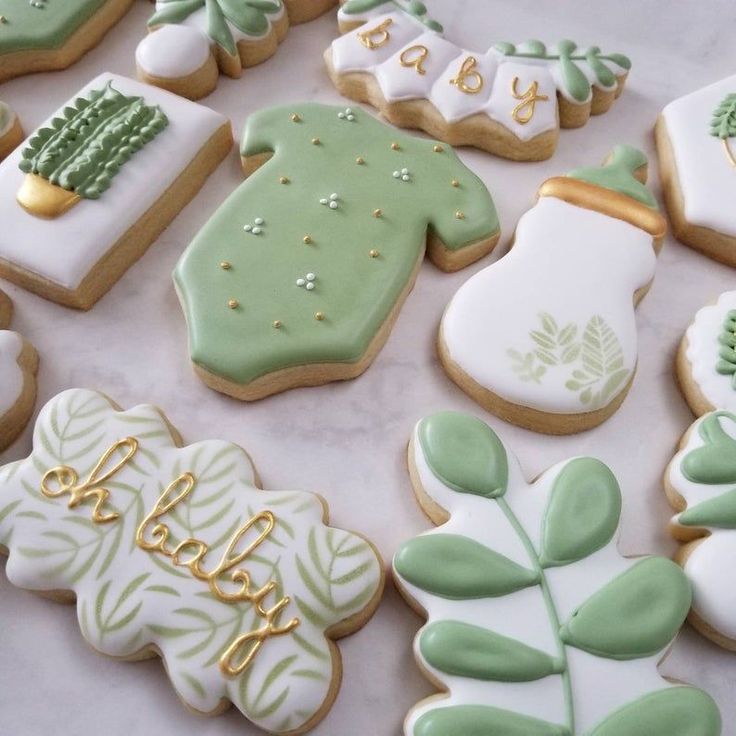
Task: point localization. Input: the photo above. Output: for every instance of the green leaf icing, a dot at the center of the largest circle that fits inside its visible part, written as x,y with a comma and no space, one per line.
471,651
464,453
413,7
723,124
715,462
354,291
83,149
456,567
582,514
726,364
715,513
483,720
635,615
617,174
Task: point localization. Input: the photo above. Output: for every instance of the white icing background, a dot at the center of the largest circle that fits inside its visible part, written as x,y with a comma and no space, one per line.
348,441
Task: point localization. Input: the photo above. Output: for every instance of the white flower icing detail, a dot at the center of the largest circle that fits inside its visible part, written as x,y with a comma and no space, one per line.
403,175
255,227
331,201
347,115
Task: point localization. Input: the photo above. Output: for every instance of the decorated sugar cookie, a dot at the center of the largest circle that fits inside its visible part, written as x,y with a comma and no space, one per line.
194,40
511,100
93,187
701,486
546,337
18,367
536,625
11,132
696,143
174,550
41,35
298,278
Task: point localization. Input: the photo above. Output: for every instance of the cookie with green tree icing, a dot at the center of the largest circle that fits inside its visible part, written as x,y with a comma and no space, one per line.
298,277
536,625
696,144
175,551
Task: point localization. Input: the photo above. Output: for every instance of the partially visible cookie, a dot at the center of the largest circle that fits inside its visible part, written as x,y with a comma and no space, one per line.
11,132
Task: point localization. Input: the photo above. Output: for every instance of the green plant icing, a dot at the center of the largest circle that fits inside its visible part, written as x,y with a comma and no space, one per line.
633,614
726,364
83,149
248,16
715,462
723,124
412,7
569,58
617,174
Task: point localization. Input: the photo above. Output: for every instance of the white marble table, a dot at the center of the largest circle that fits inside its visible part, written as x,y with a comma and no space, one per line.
347,441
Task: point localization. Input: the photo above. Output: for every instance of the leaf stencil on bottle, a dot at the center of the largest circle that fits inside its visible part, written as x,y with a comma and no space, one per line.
571,646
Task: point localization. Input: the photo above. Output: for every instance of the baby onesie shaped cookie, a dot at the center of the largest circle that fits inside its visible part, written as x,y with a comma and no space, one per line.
18,367
93,187
174,550
42,35
298,278
510,101
696,143
546,337
192,41
536,625
11,132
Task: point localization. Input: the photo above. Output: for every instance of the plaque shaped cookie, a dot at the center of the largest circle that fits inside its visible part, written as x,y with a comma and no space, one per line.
174,550
42,35
11,132
511,100
696,143
91,189
536,625
298,277
546,337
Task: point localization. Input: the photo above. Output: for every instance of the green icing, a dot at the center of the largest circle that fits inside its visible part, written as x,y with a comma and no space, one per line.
726,364
412,7
354,291
84,148
582,514
248,16
718,512
457,567
471,651
634,615
483,720
715,462
723,124
464,453
676,711
29,27
617,174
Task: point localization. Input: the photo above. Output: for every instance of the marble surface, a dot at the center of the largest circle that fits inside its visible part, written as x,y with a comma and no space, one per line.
348,441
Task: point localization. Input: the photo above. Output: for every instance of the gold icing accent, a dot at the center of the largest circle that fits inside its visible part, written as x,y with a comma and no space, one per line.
283,180
455,183
437,148
529,99
422,52
296,118
376,37
41,198
468,72
374,253
315,141
395,147
277,324
360,160
66,481
319,316
233,303
459,215
377,213
307,239
225,265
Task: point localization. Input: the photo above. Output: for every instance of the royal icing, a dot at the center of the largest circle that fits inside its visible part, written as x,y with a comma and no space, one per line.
173,51
535,624
551,325
176,548
356,12
64,250
360,198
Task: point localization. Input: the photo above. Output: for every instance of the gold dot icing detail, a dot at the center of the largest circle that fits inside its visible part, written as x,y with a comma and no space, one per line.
319,316
296,118
459,215
377,213
360,160
307,239
233,303
455,183
225,265
316,141
284,180
395,146
277,324
373,253
437,148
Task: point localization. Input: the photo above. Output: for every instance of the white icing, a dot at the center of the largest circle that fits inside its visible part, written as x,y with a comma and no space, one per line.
599,685
223,498
173,51
702,353
64,250
707,178
569,262
11,376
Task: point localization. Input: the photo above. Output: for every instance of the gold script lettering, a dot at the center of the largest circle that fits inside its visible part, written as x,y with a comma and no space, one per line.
468,73
376,37
524,111
419,53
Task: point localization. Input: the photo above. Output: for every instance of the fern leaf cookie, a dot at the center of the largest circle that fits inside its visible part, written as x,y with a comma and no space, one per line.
18,367
536,625
546,337
92,188
174,550
511,100
696,143
299,276
192,41
11,132
42,35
